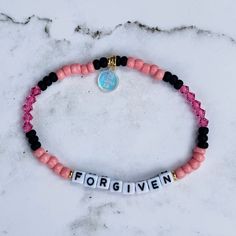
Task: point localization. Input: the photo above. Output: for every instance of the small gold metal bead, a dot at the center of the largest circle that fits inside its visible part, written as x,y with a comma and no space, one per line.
71,174
112,62
174,176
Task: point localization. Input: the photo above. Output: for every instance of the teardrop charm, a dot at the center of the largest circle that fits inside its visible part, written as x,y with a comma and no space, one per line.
107,80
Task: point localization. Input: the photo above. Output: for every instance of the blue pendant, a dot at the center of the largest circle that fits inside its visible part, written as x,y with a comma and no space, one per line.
107,80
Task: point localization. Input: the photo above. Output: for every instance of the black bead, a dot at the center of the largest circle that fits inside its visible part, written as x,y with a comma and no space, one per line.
203,145
167,76
117,60
35,146
178,84
31,133
53,76
173,79
42,85
123,60
33,139
96,64
103,62
47,80
203,130
202,138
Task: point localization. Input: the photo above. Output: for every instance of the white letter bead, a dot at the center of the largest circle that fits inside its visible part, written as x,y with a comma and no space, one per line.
166,178
90,180
129,188
142,187
103,182
116,186
78,177
154,183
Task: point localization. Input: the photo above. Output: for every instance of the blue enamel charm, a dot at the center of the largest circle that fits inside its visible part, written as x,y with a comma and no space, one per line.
107,80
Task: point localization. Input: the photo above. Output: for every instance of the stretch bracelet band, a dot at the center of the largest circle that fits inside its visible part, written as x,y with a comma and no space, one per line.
107,81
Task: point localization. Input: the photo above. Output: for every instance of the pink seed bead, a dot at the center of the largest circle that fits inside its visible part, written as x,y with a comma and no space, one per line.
194,164
39,152
57,168
84,70
138,64
159,75
184,89
66,70
145,69
198,157
35,91
187,168
200,112
190,97
52,162
30,99
203,122
65,172
199,150
90,67
153,70
196,104
73,69
27,117
27,127
44,158
27,108
131,62
180,173
60,74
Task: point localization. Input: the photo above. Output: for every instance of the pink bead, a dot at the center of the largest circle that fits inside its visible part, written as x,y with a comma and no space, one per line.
30,99
27,117
60,74
73,69
190,97
35,91
198,157
199,150
52,162
66,70
194,164
159,75
131,62
65,172
27,127
153,70
187,168
84,70
146,68
27,107
180,173
196,104
90,67
138,64
44,158
39,152
203,122
184,89
200,112
57,168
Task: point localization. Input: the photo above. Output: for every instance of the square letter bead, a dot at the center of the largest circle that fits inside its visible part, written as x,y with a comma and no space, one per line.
90,180
116,186
154,183
142,187
129,188
78,176
166,178
103,182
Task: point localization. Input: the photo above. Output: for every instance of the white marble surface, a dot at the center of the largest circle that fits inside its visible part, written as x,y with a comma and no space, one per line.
132,133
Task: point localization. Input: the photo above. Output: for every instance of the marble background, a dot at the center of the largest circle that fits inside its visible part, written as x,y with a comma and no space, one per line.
132,133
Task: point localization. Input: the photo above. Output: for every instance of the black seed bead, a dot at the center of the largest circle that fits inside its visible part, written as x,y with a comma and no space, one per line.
103,62
47,80
203,145
35,146
117,60
30,134
123,60
96,64
173,79
202,138
203,130
53,76
178,84
33,139
42,85
167,76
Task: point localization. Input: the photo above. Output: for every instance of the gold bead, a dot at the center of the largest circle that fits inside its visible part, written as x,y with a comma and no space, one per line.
71,174
112,62
174,176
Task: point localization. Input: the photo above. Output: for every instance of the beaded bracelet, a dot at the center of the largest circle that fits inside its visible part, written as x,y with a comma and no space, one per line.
107,81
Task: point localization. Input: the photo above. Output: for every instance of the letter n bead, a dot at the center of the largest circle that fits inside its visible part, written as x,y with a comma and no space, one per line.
78,176
166,178
90,180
